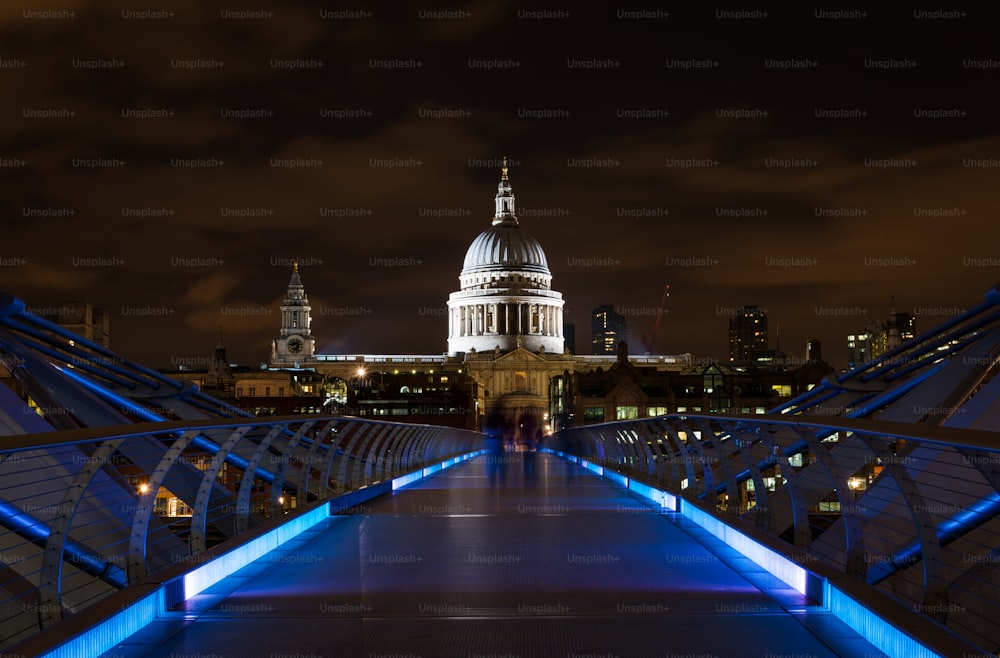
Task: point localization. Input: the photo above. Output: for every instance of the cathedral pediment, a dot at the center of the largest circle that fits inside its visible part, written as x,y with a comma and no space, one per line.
520,355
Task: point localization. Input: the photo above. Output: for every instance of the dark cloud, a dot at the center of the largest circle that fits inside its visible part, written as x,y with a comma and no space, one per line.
408,114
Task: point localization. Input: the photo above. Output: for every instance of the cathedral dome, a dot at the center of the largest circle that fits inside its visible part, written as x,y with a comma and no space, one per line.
505,246
506,301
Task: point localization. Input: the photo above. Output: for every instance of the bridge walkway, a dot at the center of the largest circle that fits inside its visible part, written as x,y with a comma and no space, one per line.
522,555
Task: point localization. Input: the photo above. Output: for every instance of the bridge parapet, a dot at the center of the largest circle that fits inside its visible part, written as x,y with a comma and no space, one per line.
85,513
912,510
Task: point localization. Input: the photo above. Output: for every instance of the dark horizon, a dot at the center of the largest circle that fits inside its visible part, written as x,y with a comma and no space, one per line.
169,166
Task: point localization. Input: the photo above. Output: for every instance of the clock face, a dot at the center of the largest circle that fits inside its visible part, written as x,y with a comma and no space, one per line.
295,346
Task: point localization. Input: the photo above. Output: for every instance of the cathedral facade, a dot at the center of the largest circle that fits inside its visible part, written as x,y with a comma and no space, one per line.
505,337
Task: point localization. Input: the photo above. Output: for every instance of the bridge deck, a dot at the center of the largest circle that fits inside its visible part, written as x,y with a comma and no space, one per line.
527,558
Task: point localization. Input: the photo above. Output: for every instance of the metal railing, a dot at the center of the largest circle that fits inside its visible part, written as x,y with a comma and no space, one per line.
87,512
913,510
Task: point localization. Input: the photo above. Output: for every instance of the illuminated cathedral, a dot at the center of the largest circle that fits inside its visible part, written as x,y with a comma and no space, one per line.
505,337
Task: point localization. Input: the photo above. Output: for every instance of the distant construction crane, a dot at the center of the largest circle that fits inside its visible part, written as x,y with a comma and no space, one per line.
659,316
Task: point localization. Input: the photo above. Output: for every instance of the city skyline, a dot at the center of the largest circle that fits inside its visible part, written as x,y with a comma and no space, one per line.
813,165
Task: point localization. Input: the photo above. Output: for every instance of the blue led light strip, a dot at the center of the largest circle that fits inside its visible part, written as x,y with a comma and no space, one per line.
881,633
112,631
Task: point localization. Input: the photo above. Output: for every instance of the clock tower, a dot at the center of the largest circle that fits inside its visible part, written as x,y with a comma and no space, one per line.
296,344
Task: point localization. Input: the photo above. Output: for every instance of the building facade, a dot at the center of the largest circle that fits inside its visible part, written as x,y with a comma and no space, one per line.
82,318
877,338
629,389
747,334
608,327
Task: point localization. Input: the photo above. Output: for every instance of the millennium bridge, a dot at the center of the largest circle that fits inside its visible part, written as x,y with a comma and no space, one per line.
140,516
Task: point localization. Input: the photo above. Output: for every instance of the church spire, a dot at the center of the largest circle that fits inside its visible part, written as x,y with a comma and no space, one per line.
220,349
296,343
295,283
504,199
220,374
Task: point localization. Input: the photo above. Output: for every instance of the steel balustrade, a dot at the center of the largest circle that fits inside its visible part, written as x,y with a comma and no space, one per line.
82,511
60,369
911,509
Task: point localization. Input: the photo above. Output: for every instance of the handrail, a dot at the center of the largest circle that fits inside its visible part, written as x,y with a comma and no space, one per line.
86,512
911,509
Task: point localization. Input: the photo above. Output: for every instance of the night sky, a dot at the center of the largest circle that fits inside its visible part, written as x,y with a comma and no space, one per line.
812,164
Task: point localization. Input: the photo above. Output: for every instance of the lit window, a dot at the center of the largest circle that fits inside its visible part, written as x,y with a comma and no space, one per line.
626,412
